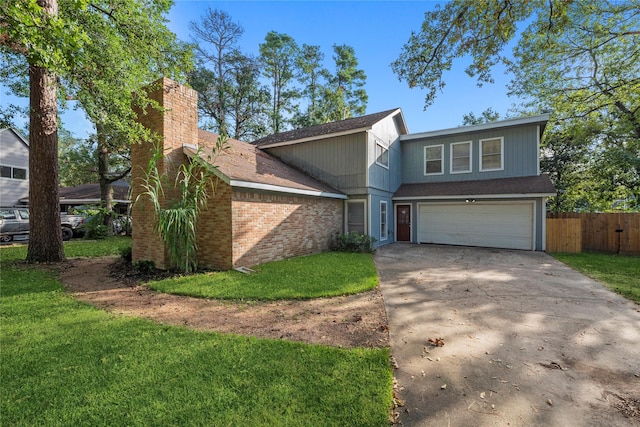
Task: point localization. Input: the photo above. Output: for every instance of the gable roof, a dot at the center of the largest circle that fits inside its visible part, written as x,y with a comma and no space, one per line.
352,125
243,165
17,134
540,119
90,193
522,186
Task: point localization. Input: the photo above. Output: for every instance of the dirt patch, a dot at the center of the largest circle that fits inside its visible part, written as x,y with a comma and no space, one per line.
350,321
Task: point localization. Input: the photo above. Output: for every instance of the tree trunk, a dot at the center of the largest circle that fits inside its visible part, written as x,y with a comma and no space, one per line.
45,236
106,195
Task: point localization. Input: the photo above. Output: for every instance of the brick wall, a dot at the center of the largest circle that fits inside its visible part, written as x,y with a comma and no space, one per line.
174,125
269,227
214,229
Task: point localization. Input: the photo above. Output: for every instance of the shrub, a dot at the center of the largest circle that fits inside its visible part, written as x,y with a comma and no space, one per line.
354,242
125,253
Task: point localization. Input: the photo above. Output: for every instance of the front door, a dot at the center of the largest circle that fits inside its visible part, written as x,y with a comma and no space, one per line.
403,218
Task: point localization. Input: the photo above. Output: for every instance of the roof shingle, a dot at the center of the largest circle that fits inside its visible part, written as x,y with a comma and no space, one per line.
325,129
524,185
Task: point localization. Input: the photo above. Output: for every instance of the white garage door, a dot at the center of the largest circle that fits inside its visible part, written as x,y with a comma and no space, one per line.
489,224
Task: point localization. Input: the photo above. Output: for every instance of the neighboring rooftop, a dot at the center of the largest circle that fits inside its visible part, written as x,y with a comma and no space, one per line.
328,129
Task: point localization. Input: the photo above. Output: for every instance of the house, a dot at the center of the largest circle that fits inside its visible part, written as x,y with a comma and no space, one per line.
288,194
89,195
14,167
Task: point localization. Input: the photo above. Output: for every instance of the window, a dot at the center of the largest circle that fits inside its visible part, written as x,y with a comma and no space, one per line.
19,173
382,155
491,154
461,157
355,217
383,221
433,160
11,172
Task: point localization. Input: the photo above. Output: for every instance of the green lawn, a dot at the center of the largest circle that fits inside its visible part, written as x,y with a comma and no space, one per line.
621,273
321,275
67,363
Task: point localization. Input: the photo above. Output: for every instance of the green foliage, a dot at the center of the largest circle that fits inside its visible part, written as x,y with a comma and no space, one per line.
66,363
278,55
620,273
321,275
344,96
176,223
145,266
578,59
354,242
487,116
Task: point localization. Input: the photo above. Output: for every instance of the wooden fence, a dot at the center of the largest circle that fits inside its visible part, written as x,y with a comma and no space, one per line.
601,232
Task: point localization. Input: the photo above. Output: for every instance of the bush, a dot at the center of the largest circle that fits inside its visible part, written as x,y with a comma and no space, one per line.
354,242
125,253
144,266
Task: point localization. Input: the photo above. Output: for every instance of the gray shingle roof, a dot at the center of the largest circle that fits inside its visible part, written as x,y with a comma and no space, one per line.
325,129
540,184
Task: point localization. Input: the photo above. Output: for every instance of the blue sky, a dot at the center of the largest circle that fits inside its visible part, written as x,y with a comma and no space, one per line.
377,30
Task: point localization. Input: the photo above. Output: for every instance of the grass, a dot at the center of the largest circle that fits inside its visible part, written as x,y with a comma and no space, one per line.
621,273
67,363
321,275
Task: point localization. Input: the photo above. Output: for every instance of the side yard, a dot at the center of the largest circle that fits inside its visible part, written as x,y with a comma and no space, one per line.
621,273
67,363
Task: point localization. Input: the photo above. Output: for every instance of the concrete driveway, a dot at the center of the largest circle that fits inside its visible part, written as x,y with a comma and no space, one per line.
527,340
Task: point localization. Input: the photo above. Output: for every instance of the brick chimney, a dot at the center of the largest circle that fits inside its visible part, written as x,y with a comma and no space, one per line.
174,124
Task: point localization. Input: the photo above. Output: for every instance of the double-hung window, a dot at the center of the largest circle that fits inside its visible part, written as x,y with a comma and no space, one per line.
491,154
382,155
433,159
461,157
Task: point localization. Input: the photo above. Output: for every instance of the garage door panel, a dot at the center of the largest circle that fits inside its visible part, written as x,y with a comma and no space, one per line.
500,225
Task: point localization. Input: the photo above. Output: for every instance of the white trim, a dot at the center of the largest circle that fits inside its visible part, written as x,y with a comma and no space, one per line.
314,138
480,168
477,196
531,203
281,189
368,213
470,169
364,214
538,149
395,221
386,220
424,159
544,224
24,168
375,154
542,118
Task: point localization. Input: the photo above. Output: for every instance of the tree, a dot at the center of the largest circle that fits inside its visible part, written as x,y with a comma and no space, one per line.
580,60
218,30
488,115
312,74
77,160
344,95
248,98
278,55
34,29
97,51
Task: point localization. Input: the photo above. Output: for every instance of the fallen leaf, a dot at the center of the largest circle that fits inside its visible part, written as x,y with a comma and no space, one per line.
438,342
443,386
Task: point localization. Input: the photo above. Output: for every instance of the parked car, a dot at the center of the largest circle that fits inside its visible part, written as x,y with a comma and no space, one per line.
15,222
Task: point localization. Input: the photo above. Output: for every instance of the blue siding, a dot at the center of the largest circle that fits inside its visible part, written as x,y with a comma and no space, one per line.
521,155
